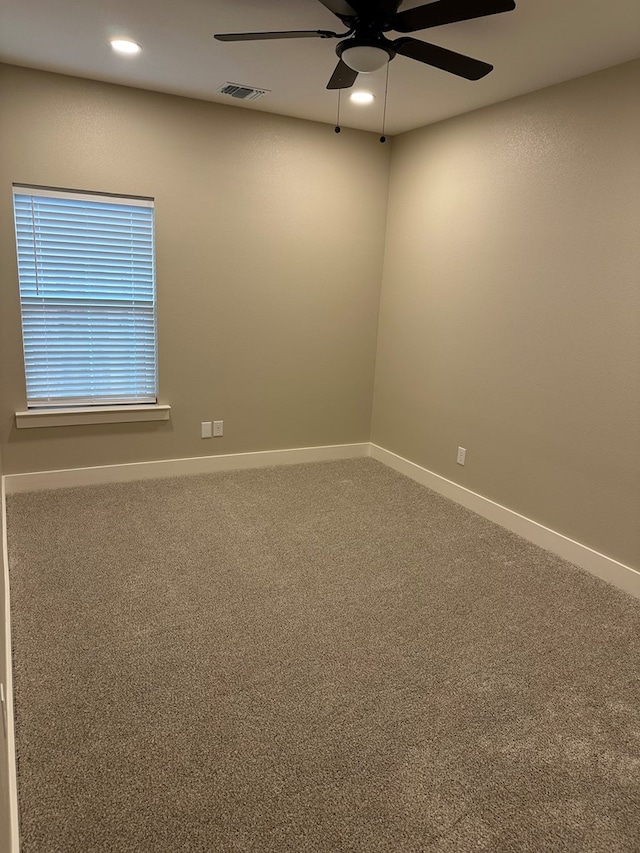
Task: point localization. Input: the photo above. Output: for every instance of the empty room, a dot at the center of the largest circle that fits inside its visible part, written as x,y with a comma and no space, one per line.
320,426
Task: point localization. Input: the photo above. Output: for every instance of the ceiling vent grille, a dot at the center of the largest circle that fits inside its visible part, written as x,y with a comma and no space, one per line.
243,93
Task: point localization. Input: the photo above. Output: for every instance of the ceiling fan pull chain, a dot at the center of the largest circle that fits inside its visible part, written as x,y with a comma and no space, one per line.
383,138
337,128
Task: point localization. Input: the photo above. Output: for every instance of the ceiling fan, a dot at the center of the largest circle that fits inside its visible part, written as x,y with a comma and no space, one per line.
364,46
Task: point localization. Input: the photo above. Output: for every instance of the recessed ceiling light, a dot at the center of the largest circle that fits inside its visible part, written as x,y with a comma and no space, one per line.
362,97
125,46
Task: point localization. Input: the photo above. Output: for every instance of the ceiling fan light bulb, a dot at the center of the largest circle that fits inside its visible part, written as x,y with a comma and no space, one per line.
365,58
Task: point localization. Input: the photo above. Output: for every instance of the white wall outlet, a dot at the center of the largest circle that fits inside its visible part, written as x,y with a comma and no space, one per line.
462,455
218,428
205,427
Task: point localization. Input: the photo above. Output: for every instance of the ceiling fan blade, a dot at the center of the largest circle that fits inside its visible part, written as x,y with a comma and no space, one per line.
288,34
447,12
340,8
343,77
440,57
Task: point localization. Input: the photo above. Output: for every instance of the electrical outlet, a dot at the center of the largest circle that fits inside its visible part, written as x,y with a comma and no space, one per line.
218,428
205,427
462,455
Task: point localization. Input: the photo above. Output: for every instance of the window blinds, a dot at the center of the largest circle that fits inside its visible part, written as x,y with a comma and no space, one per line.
87,296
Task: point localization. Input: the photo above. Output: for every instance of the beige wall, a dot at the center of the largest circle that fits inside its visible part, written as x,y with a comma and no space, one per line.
269,237
509,318
510,310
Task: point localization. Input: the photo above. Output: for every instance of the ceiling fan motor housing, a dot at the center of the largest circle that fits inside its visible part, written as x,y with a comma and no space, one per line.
376,16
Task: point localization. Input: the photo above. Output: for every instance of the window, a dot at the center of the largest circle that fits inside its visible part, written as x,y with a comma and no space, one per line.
87,297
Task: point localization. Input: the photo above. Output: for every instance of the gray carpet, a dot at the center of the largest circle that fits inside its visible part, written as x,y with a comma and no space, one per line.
320,657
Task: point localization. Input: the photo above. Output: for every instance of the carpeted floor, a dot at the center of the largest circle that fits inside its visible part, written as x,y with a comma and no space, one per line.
325,657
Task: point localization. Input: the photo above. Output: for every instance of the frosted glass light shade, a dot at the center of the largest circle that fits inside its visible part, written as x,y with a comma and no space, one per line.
365,58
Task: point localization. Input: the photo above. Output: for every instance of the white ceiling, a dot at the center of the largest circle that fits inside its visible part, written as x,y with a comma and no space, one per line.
540,43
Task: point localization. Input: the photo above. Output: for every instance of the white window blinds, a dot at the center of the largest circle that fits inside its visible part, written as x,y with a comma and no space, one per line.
87,295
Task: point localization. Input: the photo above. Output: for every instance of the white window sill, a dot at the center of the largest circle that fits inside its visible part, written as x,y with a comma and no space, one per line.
91,415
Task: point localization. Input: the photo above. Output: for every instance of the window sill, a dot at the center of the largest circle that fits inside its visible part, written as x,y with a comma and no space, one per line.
91,415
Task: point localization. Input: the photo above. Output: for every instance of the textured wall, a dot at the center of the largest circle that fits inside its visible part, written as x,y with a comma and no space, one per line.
510,310
510,315
270,235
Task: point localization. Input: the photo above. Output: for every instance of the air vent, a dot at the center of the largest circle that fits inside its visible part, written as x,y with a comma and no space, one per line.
243,93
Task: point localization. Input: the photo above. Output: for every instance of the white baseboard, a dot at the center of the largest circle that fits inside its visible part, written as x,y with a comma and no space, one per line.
610,570
99,474
8,683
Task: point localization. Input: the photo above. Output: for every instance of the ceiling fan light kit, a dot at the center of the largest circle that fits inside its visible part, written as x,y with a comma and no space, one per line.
364,58
364,48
